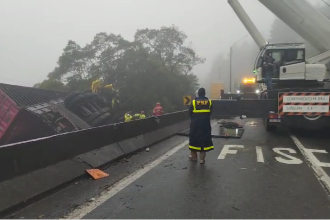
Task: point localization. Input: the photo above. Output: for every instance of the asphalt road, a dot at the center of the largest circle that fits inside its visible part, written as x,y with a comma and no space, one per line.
261,175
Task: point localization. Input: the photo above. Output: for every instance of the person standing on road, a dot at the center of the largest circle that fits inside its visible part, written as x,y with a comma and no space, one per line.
268,66
158,110
200,139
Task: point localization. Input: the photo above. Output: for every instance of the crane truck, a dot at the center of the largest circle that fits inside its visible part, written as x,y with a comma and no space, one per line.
300,84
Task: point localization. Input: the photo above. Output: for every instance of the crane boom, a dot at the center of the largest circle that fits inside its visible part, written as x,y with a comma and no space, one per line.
247,22
304,19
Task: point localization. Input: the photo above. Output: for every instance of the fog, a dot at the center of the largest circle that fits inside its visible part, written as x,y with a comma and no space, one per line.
33,33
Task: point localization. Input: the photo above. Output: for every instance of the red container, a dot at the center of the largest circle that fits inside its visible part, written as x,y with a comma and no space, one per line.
17,124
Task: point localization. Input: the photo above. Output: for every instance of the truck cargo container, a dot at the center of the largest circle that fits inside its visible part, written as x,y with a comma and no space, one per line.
16,123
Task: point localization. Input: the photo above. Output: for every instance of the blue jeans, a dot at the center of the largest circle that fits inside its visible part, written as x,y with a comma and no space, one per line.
268,79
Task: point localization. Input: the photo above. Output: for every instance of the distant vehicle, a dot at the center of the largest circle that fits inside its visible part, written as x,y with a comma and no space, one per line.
249,88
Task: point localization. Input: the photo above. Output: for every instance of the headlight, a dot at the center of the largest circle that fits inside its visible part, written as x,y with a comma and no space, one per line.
237,91
257,91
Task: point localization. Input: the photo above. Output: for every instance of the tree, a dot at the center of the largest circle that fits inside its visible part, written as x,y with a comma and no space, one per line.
155,67
52,85
167,44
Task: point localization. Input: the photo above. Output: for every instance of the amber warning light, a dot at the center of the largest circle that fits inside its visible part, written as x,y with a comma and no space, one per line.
249,80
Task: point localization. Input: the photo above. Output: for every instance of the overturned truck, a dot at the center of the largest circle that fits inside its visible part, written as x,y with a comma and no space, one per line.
28,113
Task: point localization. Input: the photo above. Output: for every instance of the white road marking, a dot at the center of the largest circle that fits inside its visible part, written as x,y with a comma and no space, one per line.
320,174
312,156
225,150
293,160
260,155
86,208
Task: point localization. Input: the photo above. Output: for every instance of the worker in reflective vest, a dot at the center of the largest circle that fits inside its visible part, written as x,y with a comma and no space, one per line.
142,115
128,117
200,139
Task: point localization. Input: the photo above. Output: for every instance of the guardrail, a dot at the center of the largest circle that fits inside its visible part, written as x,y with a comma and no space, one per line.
23,157
32,169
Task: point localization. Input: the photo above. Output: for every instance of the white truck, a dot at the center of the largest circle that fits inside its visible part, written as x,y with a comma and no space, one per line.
301,85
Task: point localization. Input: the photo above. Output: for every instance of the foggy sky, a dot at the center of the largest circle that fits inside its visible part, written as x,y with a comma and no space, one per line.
33,33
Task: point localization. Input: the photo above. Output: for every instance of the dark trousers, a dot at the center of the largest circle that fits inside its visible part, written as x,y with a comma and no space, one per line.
268,79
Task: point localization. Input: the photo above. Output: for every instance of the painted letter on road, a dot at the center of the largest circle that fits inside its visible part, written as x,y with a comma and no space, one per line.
292,160
260,155
310,152
225,150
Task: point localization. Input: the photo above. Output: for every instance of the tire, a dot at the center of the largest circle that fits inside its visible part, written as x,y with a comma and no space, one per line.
100,101
87,91
70,97
95,115
98,121
75,101
88,96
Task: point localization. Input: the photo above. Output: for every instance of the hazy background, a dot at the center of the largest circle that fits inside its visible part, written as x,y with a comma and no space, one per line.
33,33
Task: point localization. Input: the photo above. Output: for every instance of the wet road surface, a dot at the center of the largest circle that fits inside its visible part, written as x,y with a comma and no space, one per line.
261,175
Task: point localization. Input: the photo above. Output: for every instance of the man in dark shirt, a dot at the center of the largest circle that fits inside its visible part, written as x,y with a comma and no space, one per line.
268,66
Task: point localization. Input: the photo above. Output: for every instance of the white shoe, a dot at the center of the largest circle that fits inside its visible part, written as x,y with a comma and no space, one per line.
192,158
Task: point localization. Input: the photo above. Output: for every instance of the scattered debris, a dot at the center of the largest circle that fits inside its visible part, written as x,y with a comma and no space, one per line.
185,168
41,216
97,174
235,208
243,168
229,124
92,199
147,150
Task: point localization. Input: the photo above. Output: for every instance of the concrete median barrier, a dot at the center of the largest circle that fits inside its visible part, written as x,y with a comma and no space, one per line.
132,145
30,170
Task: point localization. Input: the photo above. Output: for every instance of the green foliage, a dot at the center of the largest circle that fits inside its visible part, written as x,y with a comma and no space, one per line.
155,67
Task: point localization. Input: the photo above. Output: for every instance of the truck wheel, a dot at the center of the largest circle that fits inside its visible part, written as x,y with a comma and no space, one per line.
100,120
88,96
95,115
75,101
86,91
70,97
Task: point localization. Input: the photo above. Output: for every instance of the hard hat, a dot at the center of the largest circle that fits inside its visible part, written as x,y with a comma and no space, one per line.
142,112
158,103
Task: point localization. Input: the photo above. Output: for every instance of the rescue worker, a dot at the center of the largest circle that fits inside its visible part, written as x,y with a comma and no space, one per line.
158,110
128,117
96,85
142,115
200,139
139,116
